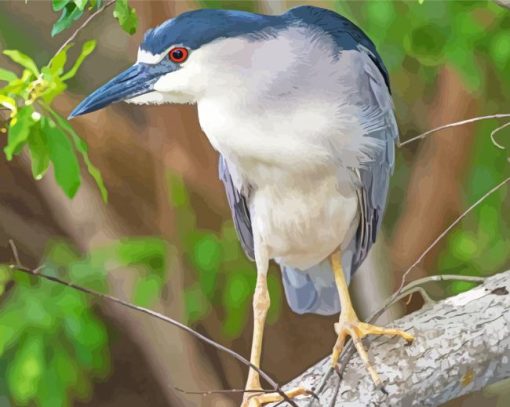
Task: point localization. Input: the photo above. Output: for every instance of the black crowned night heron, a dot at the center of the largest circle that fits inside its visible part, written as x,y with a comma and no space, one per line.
300,110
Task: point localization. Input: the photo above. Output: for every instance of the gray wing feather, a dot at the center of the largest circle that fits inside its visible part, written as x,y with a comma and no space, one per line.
314,290
239,208
374,175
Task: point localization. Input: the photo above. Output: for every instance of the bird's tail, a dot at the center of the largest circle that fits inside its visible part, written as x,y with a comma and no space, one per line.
314,290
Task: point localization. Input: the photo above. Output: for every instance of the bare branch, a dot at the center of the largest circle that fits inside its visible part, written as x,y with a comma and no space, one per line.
455,124
450,227
493,134
15,252
37,272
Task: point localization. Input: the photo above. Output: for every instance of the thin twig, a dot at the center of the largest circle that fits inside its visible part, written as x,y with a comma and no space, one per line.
493,134
450,227
415,286
235,355
85,23
227,391
234,391
455,124
14,251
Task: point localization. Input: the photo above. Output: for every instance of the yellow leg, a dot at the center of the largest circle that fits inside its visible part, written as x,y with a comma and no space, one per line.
257,401
349,324
261,302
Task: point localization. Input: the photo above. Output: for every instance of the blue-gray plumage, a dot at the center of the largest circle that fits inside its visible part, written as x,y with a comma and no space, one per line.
313,290
299,108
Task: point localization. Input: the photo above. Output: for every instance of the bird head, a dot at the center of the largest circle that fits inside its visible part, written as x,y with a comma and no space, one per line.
191,55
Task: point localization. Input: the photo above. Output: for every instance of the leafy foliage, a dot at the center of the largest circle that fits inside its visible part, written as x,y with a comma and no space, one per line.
28,97
126,16
73,10
52,343
33,123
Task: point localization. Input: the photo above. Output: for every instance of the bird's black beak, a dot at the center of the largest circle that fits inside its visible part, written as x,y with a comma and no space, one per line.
134,81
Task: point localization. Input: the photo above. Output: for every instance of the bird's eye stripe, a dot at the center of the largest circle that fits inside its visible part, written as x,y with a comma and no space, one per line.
178,54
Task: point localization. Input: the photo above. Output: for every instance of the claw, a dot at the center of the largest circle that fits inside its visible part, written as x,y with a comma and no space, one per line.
261,399
349,325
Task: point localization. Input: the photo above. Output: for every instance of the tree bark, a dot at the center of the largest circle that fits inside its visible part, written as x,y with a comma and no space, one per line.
462,344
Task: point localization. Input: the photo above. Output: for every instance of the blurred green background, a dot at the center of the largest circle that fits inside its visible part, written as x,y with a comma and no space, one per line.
140,213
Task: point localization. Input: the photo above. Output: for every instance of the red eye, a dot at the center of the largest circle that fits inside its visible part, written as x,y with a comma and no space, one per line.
178,54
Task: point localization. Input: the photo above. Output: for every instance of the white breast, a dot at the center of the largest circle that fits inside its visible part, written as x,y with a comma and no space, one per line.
296,205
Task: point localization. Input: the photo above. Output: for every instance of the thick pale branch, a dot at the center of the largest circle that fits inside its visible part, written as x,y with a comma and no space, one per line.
462,344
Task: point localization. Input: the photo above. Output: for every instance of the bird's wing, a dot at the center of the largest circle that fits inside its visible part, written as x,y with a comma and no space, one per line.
374,174
239,207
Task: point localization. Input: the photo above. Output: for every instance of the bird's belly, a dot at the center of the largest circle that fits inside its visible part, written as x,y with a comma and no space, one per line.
300,225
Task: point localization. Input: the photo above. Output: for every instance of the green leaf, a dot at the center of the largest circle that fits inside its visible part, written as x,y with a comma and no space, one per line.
86,50
55,88
19,131
26,369
500,50
65,163
12,325
95,4
238,290
38,145
427,43
58,62
236,299
81,4
53,384
179,197
5,277
59,4
464,246
7,76
82,147
70,14
126,16
196,305
22,59
147,289
148,251
9,103
207,258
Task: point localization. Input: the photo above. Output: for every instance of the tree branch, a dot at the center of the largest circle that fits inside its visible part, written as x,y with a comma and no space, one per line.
84,24
455,124
462,344
37,273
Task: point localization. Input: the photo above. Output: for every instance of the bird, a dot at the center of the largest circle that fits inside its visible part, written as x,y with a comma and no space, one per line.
300,110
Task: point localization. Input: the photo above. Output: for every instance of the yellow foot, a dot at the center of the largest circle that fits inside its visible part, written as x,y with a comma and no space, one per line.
265,398
351,326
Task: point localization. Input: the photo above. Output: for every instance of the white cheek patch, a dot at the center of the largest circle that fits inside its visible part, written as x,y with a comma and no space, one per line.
158,98
166,83
147,57
151,98
182,80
